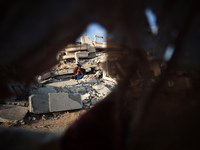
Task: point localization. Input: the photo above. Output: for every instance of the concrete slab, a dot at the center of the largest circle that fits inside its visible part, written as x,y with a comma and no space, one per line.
44,90
75,97
62,84
12,113
64,71
39,103
85,96
64,101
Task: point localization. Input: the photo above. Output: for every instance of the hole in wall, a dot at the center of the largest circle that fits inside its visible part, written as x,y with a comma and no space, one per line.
168,53
151,18
94,29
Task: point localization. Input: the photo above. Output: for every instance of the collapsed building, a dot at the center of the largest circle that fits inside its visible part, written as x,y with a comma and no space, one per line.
84,49
157,118
56,85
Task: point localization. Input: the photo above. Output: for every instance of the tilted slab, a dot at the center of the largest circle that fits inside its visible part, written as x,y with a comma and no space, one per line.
64,101
62,84
12,113
39,103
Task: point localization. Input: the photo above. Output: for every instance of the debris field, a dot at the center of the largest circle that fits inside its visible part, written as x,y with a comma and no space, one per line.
56,96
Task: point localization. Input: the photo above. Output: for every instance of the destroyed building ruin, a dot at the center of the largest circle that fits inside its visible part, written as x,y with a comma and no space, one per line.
84,49
148,113
57,83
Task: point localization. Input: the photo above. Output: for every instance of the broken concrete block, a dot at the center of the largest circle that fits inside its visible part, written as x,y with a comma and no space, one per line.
100,98
93,94
12,113
110,79
85,96
39,103
75,96
81,89
71,89
44,90
87,104
85,101
94,101
64,101
92,81
101,89
46,75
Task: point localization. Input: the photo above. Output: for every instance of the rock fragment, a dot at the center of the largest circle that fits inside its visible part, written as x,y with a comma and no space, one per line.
85,101
81,89
92,81
101,89
94,101
85,96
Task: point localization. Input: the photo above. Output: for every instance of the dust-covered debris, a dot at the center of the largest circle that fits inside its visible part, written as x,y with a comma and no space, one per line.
56,91
91,89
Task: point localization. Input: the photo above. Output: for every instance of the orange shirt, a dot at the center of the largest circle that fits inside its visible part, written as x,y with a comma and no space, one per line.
77,71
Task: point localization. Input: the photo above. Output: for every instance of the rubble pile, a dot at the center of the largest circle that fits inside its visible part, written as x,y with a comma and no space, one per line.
66,66
56,91
90,89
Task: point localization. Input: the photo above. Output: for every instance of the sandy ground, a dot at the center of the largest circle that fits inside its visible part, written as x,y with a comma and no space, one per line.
52,122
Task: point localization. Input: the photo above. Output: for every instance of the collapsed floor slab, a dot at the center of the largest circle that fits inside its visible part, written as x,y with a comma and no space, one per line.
62,102
12,113
53,102
62,83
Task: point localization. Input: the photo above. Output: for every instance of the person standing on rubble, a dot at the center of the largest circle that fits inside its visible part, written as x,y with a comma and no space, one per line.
78,72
